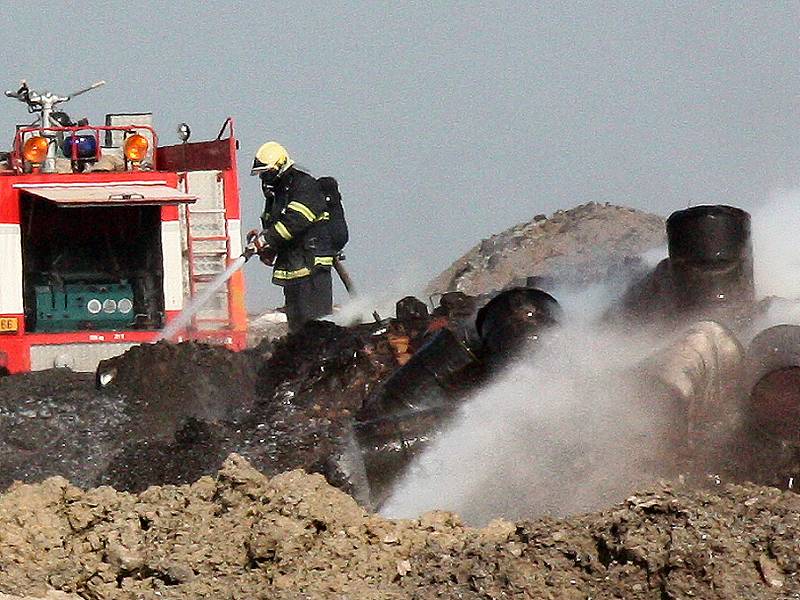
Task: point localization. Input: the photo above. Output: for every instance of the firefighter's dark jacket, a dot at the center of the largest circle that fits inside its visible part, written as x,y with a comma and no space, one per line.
295,224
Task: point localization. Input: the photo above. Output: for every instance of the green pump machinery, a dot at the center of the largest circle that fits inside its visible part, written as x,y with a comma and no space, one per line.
71,307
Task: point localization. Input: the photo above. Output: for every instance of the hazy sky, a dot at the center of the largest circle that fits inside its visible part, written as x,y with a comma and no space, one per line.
445,123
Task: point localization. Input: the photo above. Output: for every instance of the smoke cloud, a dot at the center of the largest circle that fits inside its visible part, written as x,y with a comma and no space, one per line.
776,257
360,308
562,431
569,428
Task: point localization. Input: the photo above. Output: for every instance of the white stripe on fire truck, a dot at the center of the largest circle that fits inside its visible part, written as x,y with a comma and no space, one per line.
10,269
173,264
82,184
235,237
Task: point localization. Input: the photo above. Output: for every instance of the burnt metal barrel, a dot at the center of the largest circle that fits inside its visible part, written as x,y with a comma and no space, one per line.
412,407
513,319
409,409
693,379
710,255
772,382
421,384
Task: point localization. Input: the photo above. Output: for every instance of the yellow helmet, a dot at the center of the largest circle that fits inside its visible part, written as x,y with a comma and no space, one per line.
271,157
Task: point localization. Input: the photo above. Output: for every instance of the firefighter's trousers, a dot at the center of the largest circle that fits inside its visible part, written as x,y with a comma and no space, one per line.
309,298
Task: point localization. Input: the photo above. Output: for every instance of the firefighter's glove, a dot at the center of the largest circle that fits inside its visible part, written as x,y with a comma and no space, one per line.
267,255
257,244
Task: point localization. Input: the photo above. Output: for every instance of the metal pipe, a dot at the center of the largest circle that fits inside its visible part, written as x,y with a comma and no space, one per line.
710,257
49,165
709,272
694,379
772,383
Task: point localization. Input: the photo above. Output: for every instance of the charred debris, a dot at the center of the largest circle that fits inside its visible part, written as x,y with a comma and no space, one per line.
358,403
733,406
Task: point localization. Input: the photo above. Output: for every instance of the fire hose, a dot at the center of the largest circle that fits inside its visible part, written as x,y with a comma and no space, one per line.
257,245
344,275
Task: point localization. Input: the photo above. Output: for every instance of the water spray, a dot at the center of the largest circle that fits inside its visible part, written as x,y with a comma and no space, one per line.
186,315
254,246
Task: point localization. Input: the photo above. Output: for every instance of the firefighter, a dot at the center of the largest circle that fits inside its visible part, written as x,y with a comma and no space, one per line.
294,239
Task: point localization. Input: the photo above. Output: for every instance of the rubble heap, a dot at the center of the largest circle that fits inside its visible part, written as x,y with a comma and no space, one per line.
174,411
243,535
584,245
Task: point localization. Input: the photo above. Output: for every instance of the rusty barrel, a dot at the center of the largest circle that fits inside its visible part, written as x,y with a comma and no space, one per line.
772,382
710,257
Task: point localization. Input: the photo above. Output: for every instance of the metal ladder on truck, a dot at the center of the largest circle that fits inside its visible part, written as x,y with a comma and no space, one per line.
206,245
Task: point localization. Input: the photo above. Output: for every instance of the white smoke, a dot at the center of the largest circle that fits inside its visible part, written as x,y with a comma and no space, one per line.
654,256
560,432
776,257
361,308
567,430
776,248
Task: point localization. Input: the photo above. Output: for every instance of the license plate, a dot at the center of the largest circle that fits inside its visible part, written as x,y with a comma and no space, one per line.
9,324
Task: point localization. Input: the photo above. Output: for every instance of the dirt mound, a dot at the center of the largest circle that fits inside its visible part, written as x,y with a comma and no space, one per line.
50,595
284,405
584,245
173,382
242,535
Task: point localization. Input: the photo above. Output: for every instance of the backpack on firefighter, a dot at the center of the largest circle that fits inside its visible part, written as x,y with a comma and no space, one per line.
337,224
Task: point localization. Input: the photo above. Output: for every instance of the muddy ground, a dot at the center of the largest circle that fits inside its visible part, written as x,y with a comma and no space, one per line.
242,535
174,412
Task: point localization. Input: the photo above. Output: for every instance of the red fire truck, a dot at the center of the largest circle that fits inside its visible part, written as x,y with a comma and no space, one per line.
105,235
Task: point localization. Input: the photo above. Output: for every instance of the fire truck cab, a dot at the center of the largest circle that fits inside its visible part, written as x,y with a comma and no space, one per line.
105,234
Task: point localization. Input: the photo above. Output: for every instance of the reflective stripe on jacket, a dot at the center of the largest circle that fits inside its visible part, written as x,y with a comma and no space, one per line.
295,225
